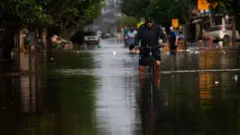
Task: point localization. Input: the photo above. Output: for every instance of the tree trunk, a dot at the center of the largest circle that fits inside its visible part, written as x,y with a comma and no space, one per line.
186,35
33,38
234,33
8,44
44,37
237,26
237,22
21,40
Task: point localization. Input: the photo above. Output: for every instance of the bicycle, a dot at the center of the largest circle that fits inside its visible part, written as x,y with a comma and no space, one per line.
151,59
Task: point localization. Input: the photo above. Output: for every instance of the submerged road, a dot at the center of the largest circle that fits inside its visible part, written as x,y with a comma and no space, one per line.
97,92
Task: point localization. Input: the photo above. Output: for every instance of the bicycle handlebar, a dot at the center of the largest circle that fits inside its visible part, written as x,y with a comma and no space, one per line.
151,47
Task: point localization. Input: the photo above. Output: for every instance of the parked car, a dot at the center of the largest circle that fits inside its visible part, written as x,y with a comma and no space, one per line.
220,33
106,35
91,38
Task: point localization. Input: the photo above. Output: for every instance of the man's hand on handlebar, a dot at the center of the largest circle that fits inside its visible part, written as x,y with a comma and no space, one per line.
137,46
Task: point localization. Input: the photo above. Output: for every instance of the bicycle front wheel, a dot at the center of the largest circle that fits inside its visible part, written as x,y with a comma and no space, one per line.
152,71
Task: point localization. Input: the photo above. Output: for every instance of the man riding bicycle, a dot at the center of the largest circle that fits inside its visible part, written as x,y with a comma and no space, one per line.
125,31
130,37
149,34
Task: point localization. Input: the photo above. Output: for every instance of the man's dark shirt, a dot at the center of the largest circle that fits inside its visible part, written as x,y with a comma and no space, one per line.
149,36
172,38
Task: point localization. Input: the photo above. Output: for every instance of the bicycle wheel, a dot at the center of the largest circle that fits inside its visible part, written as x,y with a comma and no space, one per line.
152,69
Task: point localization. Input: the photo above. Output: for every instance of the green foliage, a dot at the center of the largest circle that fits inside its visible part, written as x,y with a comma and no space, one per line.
232,6
127,21
135,7
226,5
59,13
162,11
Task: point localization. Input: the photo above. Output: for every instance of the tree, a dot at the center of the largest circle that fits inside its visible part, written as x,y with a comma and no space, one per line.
127,21
162,11
56,15
135,8
229,6
14,15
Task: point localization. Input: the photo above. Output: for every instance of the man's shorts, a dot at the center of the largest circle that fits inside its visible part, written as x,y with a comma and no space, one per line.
131,47
144,58
173,47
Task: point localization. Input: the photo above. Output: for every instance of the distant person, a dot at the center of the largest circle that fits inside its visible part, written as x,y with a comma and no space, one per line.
130,38
172,41
125,32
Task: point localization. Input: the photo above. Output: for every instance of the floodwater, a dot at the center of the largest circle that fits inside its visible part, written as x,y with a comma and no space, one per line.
97,92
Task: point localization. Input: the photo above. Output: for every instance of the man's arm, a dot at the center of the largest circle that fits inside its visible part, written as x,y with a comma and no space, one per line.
162,35
138,36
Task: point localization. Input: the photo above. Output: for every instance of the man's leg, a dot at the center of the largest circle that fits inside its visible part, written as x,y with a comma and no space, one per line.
131,48
142,63
158,60
158,65
161,54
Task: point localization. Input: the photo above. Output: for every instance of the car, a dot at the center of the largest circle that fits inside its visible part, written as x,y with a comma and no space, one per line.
220,33
91,38
99,33
105,35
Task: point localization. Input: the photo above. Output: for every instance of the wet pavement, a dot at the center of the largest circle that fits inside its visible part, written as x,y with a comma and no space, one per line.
97,92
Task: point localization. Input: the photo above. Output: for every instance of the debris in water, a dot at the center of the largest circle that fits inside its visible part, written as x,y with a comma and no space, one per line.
220,44
216,82
235,78
114,52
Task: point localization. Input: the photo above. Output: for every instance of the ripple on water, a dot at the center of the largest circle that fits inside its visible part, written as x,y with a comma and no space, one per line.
99,72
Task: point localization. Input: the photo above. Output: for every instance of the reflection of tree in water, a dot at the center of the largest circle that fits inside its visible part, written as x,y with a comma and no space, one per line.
186,115
150,106
75,94
9,100
47,105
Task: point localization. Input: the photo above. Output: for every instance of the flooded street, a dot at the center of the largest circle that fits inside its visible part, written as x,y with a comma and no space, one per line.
97,92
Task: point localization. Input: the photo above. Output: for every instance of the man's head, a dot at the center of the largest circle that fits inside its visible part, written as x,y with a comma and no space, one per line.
171,29
149,22
131,29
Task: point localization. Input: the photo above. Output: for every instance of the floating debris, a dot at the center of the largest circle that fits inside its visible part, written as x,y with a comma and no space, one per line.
114,52
216,82
235,78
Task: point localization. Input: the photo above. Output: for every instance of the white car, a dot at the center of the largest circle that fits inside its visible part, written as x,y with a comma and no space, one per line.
91,38
220,32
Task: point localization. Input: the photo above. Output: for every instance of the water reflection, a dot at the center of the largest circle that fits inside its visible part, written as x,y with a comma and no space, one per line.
43,97
116,101
204,59
198,106
41,102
